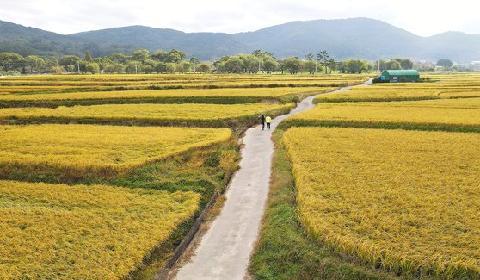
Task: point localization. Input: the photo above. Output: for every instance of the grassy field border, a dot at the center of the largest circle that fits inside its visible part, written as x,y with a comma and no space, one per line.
285,250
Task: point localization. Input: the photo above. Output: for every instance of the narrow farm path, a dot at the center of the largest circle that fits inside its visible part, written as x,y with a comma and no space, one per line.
224,251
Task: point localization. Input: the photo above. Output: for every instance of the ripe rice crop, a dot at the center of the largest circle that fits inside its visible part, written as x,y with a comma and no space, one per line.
407,201
455,86
71,83
183,77
84,232
379,94
160,96
445,114
205,115
69,152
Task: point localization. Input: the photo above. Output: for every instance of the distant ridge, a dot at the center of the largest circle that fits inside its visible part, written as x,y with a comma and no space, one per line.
343,38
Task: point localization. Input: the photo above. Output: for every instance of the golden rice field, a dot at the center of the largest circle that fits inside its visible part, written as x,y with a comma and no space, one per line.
381,93
163,96
190,113
407,201
89,150
440,86
84,232
442,114
180,77
176,81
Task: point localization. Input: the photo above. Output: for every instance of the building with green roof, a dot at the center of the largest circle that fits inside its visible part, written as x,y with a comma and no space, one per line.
399,76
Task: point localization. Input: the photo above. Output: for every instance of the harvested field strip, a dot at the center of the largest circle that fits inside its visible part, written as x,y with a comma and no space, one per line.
77,151
84,232
391,197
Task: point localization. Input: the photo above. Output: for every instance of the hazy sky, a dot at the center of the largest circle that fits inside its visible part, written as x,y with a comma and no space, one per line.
423,17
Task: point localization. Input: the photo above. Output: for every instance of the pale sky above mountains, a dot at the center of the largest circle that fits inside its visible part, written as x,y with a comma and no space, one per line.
422,17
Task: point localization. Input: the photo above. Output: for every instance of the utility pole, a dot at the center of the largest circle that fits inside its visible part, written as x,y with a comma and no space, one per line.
259,65
136,69
78,67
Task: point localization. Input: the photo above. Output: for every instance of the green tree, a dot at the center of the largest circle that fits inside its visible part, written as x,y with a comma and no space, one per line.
194,62
92,67
251,63
445,63
119,58
70,62
175,56
293,65
56,69
134,67
270,64
323,59
170,67
34,63
310,66
233,65
114,68
141,55
405,63
88,57
161,67
204,68
161,56
11,62
353,66
393,65
332,64
183,67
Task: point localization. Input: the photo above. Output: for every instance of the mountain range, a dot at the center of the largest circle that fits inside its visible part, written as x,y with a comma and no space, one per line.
343,38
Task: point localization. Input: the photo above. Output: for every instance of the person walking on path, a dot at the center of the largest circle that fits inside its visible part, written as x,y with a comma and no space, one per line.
268,120
262,120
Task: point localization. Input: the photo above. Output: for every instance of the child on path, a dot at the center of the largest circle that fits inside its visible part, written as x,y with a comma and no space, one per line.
268,119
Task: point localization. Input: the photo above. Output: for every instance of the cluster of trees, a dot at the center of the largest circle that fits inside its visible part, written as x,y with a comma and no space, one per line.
144,61
395,64
260,61
140,61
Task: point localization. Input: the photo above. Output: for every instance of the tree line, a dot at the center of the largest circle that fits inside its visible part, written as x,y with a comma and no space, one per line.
173,61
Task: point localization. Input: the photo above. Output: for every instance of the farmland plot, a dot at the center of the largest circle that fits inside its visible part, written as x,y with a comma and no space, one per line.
84,232
204,115
159,96
445,114
75,151
403,200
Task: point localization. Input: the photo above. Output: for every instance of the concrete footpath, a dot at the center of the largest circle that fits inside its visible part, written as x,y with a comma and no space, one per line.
224,250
